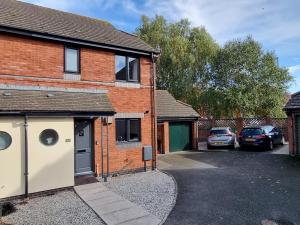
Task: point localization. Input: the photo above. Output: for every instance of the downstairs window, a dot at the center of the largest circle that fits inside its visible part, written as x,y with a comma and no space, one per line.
128,130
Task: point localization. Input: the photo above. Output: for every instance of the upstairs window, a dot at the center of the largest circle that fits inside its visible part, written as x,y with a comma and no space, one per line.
72,60
127,69
128,130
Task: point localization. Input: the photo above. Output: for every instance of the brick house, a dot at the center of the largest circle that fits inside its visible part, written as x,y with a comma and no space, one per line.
177,128
76,98
292,109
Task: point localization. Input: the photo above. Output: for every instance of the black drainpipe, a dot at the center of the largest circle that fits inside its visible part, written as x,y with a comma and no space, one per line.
154,111
26,154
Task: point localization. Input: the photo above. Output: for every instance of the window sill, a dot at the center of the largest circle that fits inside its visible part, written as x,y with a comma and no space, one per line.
123,145
127,84
72,76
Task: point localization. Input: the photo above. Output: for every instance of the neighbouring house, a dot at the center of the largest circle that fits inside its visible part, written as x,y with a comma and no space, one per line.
76,98
176,124
292,109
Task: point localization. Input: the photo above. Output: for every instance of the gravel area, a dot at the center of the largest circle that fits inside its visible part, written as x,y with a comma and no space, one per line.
61,208
155,191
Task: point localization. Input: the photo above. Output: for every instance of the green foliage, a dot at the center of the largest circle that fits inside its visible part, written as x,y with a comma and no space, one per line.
239,79
248,80
183,64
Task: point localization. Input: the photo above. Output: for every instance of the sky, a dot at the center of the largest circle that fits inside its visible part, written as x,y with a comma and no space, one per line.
274,23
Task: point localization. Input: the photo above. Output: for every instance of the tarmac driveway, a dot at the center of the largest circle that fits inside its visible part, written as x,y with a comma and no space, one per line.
234,187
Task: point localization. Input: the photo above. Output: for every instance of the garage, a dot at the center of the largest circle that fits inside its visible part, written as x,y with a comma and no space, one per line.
180,136
176,124
292,110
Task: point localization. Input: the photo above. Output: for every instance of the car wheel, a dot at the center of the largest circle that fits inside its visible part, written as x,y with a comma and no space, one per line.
282,141
209,147
271,145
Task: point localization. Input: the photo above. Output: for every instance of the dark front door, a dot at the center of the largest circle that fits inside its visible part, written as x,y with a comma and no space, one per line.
180,136
83,147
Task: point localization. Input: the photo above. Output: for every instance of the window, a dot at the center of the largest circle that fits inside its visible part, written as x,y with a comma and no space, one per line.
5,140
49,137
120,67
128,130
72,60
127,69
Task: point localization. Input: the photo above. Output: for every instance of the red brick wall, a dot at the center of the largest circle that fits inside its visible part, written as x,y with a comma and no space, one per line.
97,65
195,135
166,138
28,57
33,62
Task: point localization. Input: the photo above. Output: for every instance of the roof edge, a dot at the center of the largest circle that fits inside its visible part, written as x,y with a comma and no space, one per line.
46,36
57,113
64,12
183,103
168,118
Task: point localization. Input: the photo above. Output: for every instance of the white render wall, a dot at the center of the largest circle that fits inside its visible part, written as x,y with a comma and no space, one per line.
50,167
12,158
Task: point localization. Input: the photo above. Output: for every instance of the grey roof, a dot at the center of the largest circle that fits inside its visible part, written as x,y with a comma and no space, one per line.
169,107
29,17
294,102
53,101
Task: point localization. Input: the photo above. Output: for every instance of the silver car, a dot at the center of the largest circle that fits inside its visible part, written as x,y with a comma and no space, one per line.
221,137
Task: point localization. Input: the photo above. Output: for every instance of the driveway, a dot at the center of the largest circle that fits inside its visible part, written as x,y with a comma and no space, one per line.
234,187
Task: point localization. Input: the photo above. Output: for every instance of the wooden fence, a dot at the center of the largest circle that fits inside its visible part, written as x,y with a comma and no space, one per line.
237,124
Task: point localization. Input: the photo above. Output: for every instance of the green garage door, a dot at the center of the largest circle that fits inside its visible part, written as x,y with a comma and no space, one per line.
180,136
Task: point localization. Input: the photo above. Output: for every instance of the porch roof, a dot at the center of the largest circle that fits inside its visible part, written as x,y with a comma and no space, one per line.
54,102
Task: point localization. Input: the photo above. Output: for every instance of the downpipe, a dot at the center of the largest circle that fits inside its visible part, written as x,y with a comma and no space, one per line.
26,154
154,111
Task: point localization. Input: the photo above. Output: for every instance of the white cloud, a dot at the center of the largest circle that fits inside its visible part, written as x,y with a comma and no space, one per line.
294,69
268,20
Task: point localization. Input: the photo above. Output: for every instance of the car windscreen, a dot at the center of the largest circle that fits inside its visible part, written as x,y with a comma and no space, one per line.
218,132
252,131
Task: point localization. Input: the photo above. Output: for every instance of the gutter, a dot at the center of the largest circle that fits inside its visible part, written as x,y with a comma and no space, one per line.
26,154
170,119
73,41
57,113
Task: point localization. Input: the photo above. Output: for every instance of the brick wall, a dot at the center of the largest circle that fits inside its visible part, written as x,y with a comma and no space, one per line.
29,57
39,63
166,138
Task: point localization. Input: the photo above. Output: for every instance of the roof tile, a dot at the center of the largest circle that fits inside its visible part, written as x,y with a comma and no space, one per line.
41,101
169,107
25,16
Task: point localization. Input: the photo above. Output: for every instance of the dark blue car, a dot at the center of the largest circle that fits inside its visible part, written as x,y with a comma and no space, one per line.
261,136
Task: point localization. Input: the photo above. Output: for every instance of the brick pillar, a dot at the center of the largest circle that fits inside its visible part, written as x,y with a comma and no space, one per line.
166,145
239,124
268,120
291,132
195,135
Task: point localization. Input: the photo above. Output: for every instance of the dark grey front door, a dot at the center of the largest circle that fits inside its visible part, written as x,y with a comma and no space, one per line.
83,146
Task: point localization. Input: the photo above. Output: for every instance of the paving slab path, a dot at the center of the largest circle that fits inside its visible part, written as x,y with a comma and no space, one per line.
112,208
